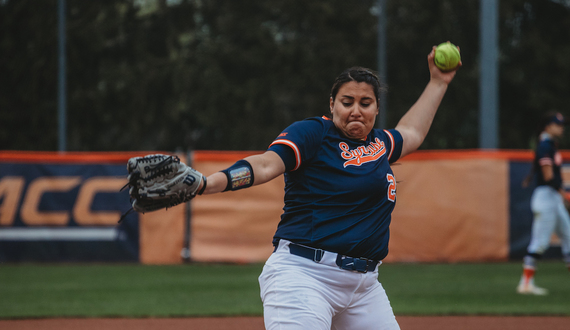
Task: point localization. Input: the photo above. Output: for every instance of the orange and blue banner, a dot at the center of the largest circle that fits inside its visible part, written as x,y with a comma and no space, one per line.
65,208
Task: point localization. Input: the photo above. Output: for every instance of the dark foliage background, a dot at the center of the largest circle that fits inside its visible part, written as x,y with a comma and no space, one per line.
230,75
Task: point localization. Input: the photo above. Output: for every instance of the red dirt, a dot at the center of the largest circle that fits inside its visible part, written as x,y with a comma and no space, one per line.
256,323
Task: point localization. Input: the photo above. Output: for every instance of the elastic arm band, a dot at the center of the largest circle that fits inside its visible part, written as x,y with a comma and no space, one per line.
240,175
287,155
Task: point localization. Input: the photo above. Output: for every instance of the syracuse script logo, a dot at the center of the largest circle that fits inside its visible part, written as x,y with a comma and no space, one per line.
362,154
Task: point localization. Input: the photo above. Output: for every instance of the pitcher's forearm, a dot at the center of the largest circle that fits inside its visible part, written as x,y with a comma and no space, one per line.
415,124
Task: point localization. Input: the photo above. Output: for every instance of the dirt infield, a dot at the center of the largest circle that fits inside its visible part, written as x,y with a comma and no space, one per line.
256,323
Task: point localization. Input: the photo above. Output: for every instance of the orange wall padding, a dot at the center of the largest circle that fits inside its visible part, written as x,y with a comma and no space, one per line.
161,236
450,210
451,206
522,155
235,226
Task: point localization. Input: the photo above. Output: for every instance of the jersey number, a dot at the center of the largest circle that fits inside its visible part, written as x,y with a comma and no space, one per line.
391,187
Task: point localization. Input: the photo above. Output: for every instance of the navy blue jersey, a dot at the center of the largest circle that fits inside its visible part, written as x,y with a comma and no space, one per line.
339,193
547,154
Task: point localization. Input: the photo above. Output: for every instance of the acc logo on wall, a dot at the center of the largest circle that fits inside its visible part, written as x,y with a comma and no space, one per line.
65,203
45,200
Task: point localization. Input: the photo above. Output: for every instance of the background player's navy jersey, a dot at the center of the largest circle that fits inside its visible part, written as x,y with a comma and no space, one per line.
547,154
340,194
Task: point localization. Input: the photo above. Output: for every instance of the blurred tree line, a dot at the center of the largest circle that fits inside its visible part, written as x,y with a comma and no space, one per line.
231,75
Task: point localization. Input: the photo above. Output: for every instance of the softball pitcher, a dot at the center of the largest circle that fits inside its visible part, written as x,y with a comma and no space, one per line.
547,204
339,195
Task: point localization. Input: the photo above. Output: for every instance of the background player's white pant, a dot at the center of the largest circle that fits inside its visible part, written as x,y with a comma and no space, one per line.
298,293
550,216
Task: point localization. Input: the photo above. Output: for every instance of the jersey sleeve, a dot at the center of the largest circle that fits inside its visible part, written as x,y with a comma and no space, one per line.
394,142
303,138
545,154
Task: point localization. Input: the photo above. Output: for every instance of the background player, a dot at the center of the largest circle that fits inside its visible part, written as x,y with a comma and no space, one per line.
547,203
339,195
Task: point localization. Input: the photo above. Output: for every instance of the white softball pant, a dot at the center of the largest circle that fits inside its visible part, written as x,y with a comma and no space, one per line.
550,216
298,293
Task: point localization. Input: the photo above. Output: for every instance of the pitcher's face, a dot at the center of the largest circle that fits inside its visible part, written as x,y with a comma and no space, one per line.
355,109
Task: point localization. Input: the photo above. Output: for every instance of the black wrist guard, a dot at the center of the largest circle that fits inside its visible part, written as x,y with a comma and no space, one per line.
240,175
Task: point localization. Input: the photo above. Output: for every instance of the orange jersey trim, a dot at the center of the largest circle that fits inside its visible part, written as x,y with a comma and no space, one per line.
545,161
295,150
391,143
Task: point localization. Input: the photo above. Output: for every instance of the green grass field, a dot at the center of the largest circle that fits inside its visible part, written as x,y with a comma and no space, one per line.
106,290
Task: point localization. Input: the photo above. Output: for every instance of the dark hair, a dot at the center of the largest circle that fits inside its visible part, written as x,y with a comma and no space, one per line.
546,119
359,74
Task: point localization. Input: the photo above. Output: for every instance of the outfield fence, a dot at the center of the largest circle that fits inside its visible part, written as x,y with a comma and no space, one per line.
452,206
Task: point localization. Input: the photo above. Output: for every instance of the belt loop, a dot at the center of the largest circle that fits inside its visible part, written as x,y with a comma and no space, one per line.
276,245
318,255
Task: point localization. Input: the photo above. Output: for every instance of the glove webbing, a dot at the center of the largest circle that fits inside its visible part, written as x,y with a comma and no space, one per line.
159,169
